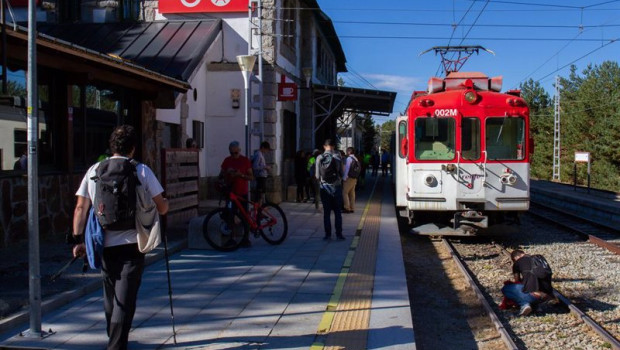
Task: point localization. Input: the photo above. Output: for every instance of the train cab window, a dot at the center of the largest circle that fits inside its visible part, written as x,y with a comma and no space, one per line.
402,135
434,138
505,138
470,138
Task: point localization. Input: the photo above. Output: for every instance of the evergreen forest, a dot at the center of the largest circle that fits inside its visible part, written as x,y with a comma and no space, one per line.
589,122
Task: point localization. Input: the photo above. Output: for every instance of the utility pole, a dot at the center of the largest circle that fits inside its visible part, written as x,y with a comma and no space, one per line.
33,177
257,27
556,132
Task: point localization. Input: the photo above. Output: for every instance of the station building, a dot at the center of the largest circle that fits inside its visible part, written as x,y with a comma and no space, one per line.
169,68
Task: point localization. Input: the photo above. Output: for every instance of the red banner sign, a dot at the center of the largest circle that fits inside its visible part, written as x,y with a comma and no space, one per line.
287,91
22,3
187,6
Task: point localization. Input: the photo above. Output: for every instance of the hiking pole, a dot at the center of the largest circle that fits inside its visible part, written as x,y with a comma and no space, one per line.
62,269
174,332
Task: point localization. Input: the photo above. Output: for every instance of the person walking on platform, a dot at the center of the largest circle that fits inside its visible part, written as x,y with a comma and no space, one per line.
375,162
314,183
329,173
385,162
300,175
261,171
352,170
122,262
532,281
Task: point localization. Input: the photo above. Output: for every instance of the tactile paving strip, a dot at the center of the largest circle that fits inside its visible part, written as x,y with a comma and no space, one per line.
347,318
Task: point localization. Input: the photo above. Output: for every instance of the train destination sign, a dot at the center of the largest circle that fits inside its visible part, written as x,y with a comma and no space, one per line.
187,6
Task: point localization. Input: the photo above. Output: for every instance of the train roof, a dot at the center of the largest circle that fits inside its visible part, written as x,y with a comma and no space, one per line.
456,81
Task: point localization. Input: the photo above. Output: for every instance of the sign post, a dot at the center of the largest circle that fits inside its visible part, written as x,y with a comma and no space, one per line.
581,157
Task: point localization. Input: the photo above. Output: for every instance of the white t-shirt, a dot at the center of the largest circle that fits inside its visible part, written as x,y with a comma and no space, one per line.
150,184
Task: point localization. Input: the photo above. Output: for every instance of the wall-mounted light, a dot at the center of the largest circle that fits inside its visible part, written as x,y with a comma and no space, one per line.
307,71
235,96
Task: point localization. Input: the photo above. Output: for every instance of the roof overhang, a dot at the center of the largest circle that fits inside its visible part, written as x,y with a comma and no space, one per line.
89,65
345,103
358,100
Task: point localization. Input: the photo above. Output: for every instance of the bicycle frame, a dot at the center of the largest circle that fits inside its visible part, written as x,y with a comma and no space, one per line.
247,216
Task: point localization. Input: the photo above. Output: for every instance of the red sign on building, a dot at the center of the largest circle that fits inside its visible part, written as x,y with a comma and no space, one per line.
187,6
287,91
22,3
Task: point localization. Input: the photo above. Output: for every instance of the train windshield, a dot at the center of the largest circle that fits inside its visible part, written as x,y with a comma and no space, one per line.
434,138
505,138
470,138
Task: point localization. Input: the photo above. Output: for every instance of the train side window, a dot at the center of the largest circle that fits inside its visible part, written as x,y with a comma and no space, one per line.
434,138
402,138
505,138
470,138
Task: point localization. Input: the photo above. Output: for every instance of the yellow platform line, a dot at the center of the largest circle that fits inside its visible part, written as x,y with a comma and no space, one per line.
347,282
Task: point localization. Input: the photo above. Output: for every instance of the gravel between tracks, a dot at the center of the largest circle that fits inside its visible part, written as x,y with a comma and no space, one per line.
586,274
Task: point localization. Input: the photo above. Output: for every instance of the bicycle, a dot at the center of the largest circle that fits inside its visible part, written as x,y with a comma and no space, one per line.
224,228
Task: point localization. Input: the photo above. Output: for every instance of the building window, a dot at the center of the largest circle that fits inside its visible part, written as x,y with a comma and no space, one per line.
96,112
198,133
289,24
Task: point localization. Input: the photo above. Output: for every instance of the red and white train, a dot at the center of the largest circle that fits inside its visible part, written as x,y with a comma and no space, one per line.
462,155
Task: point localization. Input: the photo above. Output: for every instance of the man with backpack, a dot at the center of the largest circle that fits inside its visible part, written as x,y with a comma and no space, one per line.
352,170
532,281
329,172
111,185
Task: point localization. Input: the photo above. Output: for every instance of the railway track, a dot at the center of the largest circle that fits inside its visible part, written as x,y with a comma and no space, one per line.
609,341
591,231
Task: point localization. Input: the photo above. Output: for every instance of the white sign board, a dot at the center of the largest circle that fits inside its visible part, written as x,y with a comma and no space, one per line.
582,157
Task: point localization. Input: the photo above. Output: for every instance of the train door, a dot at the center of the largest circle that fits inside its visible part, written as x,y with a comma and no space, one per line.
472,162
400,162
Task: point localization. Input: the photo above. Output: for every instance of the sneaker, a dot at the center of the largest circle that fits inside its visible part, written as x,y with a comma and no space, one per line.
525,310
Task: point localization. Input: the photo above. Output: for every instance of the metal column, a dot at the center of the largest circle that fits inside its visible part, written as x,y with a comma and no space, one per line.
556,131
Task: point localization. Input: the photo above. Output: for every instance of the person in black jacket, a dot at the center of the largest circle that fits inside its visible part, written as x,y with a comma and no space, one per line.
532,285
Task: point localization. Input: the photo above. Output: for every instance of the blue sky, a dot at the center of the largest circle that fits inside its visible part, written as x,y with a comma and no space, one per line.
382,40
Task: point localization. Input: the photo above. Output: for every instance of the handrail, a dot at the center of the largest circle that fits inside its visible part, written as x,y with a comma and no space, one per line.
484,176
458,167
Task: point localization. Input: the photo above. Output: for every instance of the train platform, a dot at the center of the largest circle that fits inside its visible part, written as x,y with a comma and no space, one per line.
592,204
306,293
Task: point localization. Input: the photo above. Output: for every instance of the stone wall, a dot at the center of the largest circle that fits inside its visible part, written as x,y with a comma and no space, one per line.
56,203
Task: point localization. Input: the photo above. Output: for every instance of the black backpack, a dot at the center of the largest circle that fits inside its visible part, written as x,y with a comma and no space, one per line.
328,169
354,169
540,267
115,195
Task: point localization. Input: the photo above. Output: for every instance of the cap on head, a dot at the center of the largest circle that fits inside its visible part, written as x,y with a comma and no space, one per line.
233,144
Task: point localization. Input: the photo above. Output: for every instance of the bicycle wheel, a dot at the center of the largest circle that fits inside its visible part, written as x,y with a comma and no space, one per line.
223,231
272,223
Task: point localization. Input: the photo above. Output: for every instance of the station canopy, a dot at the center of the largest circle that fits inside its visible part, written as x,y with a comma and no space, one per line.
341,102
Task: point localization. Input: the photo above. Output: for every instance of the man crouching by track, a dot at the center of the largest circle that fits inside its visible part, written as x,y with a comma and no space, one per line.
532,281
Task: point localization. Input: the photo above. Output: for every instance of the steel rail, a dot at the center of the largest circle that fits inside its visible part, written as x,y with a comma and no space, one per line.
598,329
510,344
612,247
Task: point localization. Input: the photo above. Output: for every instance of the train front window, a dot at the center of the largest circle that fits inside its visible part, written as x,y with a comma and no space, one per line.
505,138
470,138
434,138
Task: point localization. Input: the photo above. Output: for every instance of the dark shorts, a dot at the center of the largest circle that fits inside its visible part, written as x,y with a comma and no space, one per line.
261,184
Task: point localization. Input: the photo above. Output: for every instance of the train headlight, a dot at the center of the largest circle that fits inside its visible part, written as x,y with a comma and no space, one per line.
471,96
508,179
430,181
